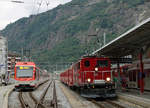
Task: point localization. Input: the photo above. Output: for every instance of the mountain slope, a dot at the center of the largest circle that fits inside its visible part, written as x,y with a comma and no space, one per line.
61,34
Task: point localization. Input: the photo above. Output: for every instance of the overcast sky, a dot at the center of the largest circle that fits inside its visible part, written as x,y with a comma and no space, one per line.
10,12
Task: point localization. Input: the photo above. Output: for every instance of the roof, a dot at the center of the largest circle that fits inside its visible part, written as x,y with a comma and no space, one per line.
25,63
127,43
13,54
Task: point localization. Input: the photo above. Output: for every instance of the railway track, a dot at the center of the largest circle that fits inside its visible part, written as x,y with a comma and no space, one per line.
38,103
107,104
22,101
131,103
114,104
30,101
54,101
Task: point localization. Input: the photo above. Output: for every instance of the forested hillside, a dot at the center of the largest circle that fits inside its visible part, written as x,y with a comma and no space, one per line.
61,34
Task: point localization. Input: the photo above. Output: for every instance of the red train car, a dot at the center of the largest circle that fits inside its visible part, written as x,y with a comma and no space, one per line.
130,75
91,76
25,75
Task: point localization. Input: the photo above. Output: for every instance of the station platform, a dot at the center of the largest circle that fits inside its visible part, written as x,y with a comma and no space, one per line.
136,92
135,97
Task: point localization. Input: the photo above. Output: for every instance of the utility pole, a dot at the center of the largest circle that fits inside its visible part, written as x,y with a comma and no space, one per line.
93,35
22,53
104,38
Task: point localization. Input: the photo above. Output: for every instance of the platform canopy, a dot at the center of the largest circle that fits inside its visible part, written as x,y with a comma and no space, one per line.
129,42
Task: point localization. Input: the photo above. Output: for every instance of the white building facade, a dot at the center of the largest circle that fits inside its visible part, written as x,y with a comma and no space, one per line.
3,56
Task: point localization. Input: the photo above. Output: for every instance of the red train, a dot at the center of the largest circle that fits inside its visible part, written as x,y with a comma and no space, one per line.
130,75
91,76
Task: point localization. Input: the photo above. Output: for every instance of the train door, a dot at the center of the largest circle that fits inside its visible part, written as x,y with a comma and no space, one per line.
79,74
75,76
132,79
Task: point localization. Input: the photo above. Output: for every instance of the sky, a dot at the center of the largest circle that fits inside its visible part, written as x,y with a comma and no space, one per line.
11,11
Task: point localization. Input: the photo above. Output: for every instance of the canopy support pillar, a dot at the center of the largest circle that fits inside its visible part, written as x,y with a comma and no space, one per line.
141,73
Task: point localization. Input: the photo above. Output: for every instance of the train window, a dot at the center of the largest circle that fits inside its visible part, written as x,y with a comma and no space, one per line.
102,63
87,63
24,72
130,76
134,76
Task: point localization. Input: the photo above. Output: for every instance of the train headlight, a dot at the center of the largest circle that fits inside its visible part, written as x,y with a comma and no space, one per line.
96,69
107,79
89,80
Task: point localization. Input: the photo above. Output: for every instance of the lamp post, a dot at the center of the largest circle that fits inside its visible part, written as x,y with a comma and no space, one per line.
95,35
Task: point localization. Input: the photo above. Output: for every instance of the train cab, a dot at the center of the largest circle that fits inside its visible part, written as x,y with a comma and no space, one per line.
92,77
25,75
96,71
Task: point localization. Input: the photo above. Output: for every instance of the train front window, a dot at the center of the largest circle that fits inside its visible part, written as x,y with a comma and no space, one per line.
87,63
24,72
102,63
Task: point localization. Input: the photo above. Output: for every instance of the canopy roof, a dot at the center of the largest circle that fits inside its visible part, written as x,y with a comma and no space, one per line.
129,42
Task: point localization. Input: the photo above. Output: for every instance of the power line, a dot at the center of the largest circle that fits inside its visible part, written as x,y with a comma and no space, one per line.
15,1
33,5
39,6
47,3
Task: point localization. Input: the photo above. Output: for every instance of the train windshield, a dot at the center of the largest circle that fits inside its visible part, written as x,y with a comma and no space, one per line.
87,63
102,63
24,72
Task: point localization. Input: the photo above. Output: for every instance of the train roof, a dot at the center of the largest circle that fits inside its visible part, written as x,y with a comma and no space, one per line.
25,63
88,57
92,56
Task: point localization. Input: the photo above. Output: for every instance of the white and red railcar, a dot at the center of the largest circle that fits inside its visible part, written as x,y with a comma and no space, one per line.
28,76
25,75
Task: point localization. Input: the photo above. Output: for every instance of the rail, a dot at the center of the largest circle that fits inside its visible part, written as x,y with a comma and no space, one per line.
54,101
39,103
23,103
103,104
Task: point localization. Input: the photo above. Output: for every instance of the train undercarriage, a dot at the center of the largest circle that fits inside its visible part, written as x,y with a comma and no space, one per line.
24,87
97,90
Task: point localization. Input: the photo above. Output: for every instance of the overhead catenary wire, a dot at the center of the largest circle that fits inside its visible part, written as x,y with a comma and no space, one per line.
34,6
47,3
39,3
